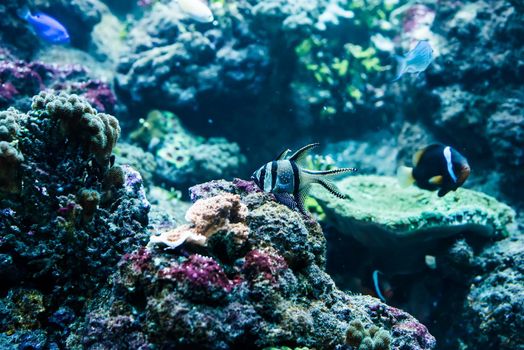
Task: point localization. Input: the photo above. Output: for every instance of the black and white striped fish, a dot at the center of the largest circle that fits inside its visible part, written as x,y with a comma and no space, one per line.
290,183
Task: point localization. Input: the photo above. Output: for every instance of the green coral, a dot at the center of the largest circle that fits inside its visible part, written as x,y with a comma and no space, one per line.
371,338
10,163
89,200
286,348
380,213
10,157
80,122
9,126
345,68
183,158
155,128
25,307
138,159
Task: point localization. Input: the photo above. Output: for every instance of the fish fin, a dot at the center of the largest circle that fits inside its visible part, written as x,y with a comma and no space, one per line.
24,12
300,199
418,155
330,173
301,153
283,154
405,176
401,67
286,199
436,180
376,284
331,187
443,191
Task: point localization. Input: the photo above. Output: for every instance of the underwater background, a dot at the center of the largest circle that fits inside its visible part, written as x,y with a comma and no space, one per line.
132,214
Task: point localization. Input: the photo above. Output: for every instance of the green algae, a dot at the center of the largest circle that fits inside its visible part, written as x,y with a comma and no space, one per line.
380,213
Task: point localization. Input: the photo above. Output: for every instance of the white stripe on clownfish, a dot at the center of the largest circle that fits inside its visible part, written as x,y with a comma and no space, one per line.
447,155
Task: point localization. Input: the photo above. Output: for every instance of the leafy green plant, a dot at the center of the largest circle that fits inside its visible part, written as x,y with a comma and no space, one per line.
346,70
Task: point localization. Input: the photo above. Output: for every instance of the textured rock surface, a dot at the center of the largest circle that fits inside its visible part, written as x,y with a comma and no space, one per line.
494,310
20,80
79,17
263,67
184,159
473,95
65,217
271,291
380,213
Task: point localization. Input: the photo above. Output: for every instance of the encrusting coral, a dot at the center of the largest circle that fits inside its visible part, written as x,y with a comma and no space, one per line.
381,214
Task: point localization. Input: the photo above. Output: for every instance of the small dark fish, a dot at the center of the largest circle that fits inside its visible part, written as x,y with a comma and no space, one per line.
46,27
290,183
378,290
416,60
437,167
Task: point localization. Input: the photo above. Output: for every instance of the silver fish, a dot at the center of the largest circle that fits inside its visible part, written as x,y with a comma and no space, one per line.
290,183
196,10
416,60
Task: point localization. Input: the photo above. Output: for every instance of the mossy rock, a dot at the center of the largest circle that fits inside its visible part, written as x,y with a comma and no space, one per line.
381,214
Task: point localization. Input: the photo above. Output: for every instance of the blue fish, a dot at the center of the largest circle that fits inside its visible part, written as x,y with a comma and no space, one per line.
416,60
46,27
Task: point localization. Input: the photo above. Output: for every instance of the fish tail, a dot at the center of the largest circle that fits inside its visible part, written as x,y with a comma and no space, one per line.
24,12
401,67
405,176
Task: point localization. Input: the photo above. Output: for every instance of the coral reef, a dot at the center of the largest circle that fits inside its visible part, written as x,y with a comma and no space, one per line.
81,123
10,163
373,338
449,261
184,159
493,309
20,80
382,215
65,219
138,159
87,261
473,93
475,295
78,16
273,292
264,67
218,63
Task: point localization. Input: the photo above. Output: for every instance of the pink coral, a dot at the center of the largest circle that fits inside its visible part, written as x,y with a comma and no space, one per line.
139,259
202,274
246,186
265,264
222,213
19,78
219,213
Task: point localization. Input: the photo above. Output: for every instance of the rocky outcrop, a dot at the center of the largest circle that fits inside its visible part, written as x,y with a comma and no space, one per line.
271,290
